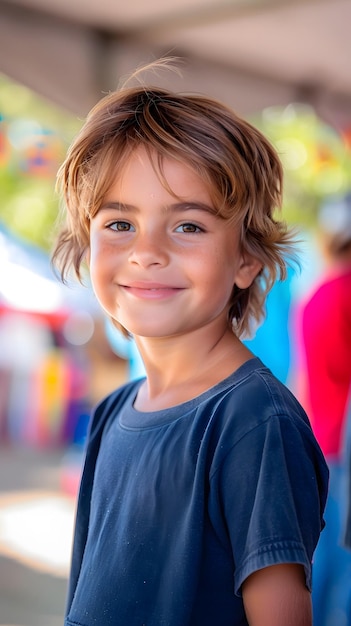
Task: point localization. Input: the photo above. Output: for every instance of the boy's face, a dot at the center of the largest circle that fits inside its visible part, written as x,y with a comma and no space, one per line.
163,264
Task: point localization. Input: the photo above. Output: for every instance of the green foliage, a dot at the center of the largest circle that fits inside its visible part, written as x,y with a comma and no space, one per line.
29,207
316,159
34,138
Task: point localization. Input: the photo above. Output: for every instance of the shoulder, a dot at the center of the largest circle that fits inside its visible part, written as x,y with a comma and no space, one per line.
257,396
254,404
109,406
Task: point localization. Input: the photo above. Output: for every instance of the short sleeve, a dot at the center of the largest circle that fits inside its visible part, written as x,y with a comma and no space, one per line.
271,489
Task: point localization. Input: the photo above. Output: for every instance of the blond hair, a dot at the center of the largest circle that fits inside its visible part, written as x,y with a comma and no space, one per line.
240,166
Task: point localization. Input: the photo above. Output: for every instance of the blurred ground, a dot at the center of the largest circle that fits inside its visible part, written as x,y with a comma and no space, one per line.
36,523
40,465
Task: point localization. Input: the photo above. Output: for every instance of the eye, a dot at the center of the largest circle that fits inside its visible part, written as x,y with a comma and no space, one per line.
189,228
120,226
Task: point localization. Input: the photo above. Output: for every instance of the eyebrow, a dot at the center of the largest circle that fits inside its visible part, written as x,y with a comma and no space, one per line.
177,206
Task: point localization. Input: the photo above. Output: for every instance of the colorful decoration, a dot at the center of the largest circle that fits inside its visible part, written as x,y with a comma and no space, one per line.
29,148
4,143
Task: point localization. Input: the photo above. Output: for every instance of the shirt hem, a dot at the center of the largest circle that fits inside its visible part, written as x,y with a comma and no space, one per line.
276,553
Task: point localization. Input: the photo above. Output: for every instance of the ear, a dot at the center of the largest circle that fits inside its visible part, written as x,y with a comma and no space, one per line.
248,269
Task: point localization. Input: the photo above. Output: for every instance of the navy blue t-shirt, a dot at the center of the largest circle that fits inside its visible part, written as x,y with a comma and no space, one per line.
178,507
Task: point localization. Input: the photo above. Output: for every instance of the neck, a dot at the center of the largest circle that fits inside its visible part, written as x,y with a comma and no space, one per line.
179,369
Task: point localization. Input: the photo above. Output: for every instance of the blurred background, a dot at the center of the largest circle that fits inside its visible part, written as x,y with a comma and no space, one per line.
284,65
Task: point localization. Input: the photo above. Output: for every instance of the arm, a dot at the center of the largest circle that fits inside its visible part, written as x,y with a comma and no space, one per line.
277,596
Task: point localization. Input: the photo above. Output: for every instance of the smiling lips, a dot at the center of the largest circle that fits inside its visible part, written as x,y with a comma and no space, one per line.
151,291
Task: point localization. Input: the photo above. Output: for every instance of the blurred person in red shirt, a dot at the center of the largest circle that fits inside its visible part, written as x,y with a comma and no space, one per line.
326,347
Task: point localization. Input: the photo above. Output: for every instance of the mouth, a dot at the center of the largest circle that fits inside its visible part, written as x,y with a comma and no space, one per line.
153,291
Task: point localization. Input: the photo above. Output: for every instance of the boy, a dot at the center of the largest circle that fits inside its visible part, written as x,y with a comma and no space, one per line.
203,490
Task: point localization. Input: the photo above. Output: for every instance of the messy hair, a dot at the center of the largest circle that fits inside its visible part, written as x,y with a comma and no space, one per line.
238,164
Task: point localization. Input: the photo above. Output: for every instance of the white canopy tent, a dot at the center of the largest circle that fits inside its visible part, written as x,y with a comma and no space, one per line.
250,53
27,281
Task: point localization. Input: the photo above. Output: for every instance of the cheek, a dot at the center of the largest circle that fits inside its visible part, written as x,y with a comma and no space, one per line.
100,265
87,257
217,279
224,262
100,254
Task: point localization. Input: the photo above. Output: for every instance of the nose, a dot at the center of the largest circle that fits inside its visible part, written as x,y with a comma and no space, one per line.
149,249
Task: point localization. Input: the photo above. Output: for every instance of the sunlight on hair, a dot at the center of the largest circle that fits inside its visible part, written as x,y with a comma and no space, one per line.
141,74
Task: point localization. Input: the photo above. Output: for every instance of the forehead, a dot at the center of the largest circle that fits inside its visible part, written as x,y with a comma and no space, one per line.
145,167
